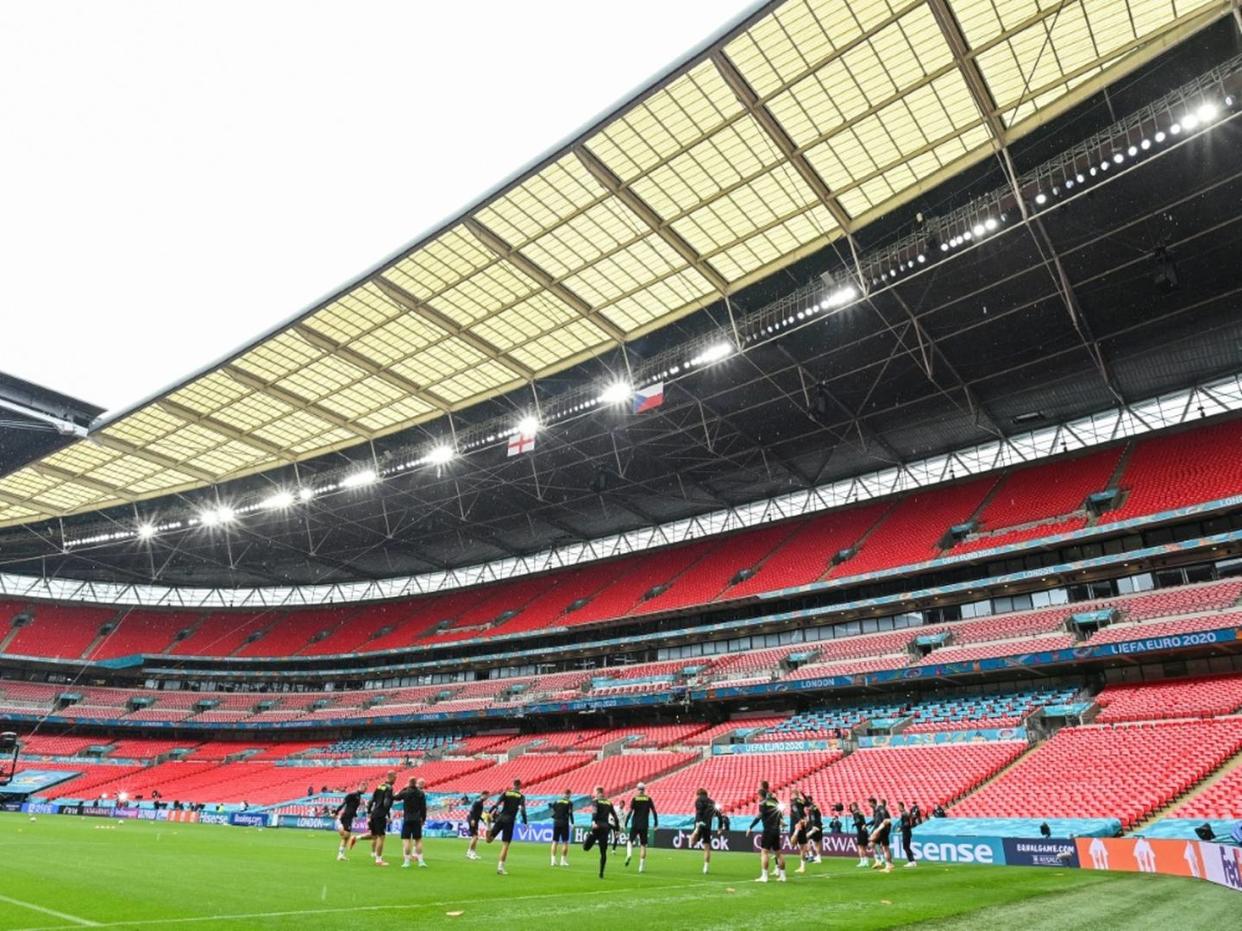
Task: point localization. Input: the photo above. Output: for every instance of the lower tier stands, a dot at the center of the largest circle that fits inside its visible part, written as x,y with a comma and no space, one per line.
1209,696
928,775
733,781
1124,771
614,773
1220,801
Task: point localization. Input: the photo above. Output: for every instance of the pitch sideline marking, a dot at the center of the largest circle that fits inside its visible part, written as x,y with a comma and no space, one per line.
80,922
323,911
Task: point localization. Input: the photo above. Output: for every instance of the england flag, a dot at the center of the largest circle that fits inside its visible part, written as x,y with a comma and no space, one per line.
521,443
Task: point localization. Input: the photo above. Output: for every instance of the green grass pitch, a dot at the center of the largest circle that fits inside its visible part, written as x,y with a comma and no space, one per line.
66,873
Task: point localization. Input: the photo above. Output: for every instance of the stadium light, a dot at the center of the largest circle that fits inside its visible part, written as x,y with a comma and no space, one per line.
715,352
360,479
617,393
146,531
217,517
306,493
278,501
441,454
528,425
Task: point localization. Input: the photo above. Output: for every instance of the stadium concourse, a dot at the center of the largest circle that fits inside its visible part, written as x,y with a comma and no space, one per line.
852,417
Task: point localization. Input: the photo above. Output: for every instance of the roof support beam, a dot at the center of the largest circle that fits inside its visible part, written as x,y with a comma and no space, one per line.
20,502
148,455
611,183
357,359
986,104
255,383
750,100
422,309
531,269
216,425
64,475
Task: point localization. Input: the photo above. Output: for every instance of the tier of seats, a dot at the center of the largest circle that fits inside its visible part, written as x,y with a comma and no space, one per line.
1205,697
733,781
912,531
928,775
1162,472
1172,470
614,773
1220,801
1121,771
531,768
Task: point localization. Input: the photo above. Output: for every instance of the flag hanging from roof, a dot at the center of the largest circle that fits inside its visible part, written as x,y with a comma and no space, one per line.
649,398
521,443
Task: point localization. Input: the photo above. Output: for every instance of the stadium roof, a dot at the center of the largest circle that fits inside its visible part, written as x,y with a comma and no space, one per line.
797,126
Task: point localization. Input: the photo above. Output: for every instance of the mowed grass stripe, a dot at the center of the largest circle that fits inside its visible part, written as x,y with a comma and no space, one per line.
146,875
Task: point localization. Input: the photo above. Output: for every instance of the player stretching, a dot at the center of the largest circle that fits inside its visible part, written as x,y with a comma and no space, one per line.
476,816
905,823
705,811
603,821
770,842
414,804
345,814
798,827
881,827
642,806
562,825
505,813
862,837
377,817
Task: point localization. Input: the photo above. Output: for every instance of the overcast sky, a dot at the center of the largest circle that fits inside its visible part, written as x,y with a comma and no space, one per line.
176,177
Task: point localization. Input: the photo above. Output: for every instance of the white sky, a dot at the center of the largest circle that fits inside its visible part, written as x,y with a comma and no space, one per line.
176,177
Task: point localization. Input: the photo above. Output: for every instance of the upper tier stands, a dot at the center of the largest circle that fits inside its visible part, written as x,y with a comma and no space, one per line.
1044,494
1172,470
1161,472
1124,771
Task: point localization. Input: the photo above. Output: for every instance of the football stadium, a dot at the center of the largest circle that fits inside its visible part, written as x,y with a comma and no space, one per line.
823,470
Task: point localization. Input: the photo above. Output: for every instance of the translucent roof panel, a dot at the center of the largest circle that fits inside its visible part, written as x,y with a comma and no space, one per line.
792,128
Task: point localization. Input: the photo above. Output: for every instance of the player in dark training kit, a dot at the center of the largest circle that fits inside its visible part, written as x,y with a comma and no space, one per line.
505,812
862,837
474,818
603,821
798,827
905,823
770,817
881,828
642,808
414,812
377,817
706,811
562,825
345,814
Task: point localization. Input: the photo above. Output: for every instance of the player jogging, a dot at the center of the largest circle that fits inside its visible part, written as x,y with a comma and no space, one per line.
562,824
815,827
603,821
770,817
881,828
862,837
377,817
705,811
476,816
414,812
905,823
505,812
642,807
345,814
